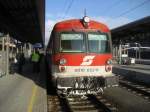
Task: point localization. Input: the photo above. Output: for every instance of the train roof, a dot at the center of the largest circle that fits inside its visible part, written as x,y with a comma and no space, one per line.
74,24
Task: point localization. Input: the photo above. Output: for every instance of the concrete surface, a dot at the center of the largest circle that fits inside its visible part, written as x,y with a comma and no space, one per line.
25,92
127,101
138,72
142,61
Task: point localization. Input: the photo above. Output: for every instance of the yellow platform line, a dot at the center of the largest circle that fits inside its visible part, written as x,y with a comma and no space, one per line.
32,100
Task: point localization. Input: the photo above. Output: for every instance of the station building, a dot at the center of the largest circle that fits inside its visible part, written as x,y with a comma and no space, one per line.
135,36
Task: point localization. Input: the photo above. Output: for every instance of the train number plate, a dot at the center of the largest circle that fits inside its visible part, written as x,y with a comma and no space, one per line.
86,70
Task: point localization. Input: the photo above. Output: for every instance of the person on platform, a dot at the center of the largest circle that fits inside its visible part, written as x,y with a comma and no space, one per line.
35,58
21,62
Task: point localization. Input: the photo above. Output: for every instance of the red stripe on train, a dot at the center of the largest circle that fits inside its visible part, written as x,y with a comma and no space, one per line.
82,59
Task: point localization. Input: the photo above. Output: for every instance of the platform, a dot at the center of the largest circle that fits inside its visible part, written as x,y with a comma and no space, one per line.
142,61
126,100
25,92
139,72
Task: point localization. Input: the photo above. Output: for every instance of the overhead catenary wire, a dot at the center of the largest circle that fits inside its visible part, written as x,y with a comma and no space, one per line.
65,5
68,8
63,9
132,9
110,7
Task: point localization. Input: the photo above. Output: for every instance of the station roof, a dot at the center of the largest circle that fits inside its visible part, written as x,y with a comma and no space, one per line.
24,20
136,27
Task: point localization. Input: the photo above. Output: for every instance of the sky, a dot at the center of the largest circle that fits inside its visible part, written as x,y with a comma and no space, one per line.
113,13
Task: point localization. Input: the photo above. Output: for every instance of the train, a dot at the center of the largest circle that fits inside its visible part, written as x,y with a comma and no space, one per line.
79,56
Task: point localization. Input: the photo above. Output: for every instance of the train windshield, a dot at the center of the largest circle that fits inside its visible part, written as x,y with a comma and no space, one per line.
98,43
72,42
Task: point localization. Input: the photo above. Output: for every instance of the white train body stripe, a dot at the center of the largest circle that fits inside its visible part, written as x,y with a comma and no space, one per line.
76,71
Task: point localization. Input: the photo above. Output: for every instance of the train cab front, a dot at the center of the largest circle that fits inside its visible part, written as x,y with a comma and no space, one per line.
82,56
83,79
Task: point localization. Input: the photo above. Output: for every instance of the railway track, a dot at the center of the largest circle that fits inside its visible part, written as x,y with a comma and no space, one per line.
89,103
138,89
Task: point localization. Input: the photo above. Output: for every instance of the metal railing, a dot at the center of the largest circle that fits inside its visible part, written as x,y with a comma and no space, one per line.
2,63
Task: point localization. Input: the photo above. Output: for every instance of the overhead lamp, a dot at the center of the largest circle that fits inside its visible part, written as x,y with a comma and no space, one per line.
86,21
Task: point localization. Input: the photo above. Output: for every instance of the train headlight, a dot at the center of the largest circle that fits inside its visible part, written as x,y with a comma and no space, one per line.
108,66
86,19
109,62
62,61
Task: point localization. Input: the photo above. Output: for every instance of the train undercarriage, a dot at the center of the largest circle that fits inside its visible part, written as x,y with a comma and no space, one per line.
84,85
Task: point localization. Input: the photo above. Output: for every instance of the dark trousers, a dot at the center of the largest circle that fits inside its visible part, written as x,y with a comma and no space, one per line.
36,67
20,68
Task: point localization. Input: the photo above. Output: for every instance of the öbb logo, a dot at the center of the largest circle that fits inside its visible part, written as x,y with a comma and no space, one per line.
87,60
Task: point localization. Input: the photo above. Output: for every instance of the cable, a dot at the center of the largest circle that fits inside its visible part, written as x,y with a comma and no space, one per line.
65,4
63,9
68,8
128,11
112,6
131,9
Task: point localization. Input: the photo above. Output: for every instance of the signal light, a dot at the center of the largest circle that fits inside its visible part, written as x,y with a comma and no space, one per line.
108,68
62,68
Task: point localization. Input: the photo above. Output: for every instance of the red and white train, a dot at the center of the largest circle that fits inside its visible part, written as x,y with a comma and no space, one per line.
80,56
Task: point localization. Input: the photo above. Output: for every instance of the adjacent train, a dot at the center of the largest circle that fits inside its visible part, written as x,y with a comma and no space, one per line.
79,56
